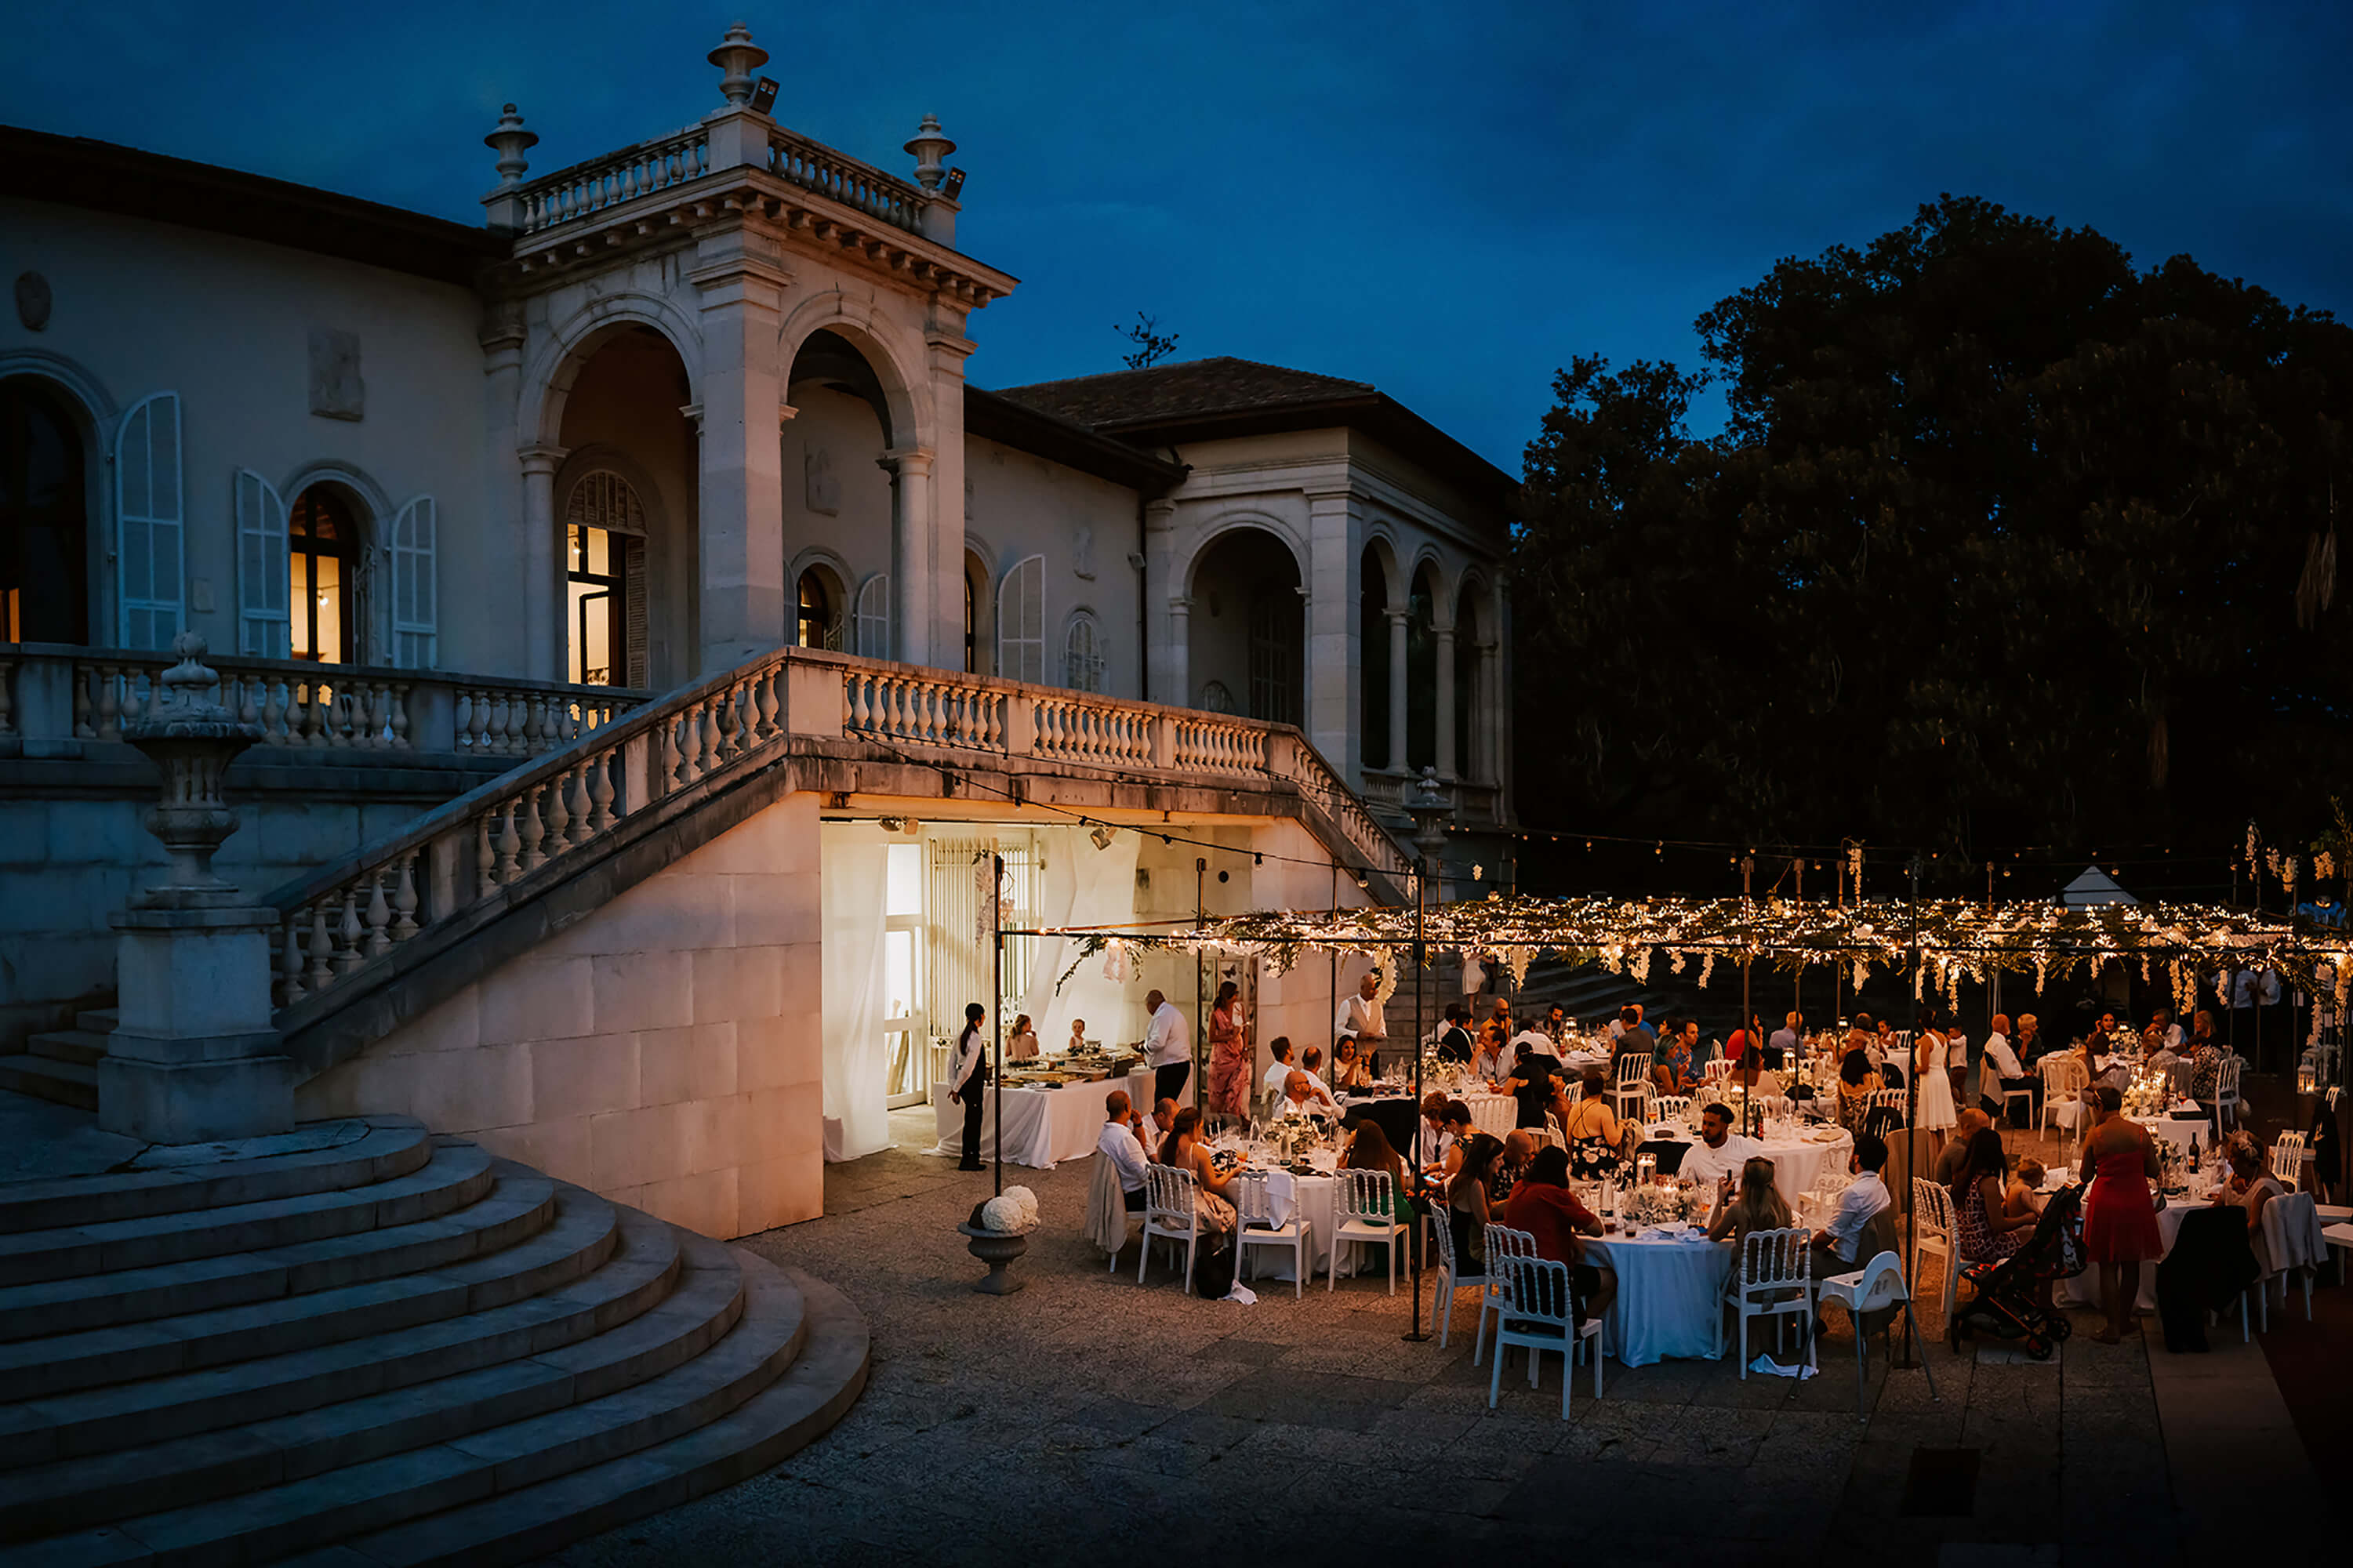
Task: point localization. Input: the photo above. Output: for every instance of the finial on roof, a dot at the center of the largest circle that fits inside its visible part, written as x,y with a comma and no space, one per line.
931,148
737,56
511,142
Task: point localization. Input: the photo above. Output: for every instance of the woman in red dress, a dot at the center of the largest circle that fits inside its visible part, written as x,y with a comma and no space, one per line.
2119,1212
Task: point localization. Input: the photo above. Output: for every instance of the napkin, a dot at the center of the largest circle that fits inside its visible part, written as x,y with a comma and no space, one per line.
1243,1293
1772,1368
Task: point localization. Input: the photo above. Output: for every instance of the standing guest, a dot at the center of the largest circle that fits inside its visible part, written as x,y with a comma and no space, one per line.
1532,1083
1592,1131
2002,1071
1229,1055
1755,1204
1956,1062
1934,1111
1361,1014
1213,1211
1544,1207
2120,1230
1967,1124
1466,1201
1720,1152
1164,1047
966,1077
1857,1083
1348,1069
1454,1039
1986,1234
1022,1044
1519,1152
1122,1142
1783,1046
1078,1040
1864,1196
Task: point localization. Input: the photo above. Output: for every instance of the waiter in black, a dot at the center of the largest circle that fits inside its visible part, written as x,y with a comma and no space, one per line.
966,1077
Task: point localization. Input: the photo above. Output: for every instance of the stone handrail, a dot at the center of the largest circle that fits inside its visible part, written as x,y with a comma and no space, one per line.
814,166
565,807
600,183
59,692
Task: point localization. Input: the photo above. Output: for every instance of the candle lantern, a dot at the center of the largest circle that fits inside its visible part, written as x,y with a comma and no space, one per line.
2307,1080
1646,1169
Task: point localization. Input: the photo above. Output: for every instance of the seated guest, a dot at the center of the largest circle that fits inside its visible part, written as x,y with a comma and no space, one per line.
1592,1131
1021,1046
1672,1057
1368,1150
1213,1211
1535,1040
1631,1036
1492,1062
1557,1023
1862,1036
1782,1049
1454,1038
1312,1064
2004,1071
1857,1082
1282,1069
1966,1126
1455,1131
1466,1201
2205,1062
2025,1194
1350,1070
2251,1184
1155,1131
1497,1030
1519,1150
1433,1130
1756,1204
1532,1083
1835,1243
1542,1206
2030,1045
1078,1040
1303,1096
1122,1142
1986,1232
1720,1152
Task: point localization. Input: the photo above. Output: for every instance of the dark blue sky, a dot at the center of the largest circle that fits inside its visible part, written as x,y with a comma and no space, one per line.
1448,201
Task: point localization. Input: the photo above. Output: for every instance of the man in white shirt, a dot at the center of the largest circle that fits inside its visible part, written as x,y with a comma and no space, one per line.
1835,1243
1122,1142
2001,1070
1361,1016
1720,1152
1302,1095
1165,1047
1312,1064
966,1077
1272,1084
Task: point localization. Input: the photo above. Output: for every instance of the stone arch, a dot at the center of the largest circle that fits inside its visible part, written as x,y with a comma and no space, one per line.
1443,580
1246,624
886,348
978,651
555,366
1225,523
839,584
91,412
1381,549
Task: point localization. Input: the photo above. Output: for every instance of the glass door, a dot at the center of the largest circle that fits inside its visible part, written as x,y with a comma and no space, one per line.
906,1038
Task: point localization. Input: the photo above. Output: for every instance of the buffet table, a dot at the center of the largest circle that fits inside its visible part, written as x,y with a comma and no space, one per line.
1670,1296
1043,1126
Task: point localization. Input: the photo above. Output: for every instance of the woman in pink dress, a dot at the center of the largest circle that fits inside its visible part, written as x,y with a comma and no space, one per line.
2120,1230
1229,1066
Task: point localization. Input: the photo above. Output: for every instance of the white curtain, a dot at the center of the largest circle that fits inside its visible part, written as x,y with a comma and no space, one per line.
856,1120
1084,886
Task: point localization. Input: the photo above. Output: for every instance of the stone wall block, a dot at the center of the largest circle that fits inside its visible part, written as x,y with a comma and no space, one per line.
630,1148
637,991
558,1149
668,913
581,1077
774,908
705,1201
452,1026
696,1063
538,999
733,984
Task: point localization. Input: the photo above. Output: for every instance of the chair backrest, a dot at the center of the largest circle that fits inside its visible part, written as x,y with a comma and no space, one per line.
1775,1258
1932,1206
1503,1242
1168,1192
2287,1158
2063,1072
1364,1196
1882,1285
2228,1085
1494,1114
1553,1133
1539,1288
2289,1221
1718,1070
1633,1067
1889,1100
1670,1106
1253,1203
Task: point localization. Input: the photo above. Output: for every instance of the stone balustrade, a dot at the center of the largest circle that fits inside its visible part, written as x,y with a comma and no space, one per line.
600,183
814,166
54,697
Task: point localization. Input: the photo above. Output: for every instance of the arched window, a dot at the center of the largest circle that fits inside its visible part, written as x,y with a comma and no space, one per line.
819,623
605,580
322,555
1273,663
1083,660
44,522
1021,621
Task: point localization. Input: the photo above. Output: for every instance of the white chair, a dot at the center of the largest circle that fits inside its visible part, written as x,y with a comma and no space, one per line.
2064,1076
2025,1094
1451,1278
1716,1074
1494,1114
1936,1231
2287,1159
1670,1106
1537,1316
1362,1210
1876,1286
1168,1211
1633,1080
1892,1099
1503,1242
1552,1132
2291,1212
1776,1281
2226,1092
1256,1226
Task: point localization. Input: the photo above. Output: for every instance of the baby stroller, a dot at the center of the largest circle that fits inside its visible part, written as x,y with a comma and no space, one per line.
2008,1302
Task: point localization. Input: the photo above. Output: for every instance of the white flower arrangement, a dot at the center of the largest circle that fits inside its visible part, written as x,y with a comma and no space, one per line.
1013,1213
1656,1204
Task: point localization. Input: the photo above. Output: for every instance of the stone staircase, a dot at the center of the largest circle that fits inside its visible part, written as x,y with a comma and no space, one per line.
371,1345
61,1066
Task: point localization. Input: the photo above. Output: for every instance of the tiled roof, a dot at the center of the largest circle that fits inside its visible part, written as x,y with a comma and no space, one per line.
1221,386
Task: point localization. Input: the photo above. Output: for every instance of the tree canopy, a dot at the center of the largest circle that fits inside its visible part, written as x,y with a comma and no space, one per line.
2005,543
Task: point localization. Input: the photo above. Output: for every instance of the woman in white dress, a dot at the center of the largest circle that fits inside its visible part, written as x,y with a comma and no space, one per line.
1935,1106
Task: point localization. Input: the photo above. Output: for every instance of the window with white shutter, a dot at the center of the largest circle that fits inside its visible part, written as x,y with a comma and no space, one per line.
1021,622
1083,660
415,601
874,616
263,575
150,523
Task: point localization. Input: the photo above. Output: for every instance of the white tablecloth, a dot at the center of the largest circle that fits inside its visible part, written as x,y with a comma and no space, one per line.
1670,1296
1798,1164
2084,1290
1043,1126
2179,1130
1310,1196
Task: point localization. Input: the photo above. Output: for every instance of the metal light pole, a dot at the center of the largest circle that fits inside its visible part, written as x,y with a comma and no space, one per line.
1912,1119
996,1011
1430,812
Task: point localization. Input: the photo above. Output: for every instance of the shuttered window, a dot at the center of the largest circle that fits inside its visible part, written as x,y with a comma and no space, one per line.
151,517
1021,622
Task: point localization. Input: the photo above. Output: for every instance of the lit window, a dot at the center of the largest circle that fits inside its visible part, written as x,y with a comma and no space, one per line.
817,625
320,548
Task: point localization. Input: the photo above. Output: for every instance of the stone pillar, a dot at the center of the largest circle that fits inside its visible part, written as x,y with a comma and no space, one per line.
739,539
914,542
1334,667
195,1057
1486,720
543,584
1179,661
1445,636
1164,655
1400,756
945,351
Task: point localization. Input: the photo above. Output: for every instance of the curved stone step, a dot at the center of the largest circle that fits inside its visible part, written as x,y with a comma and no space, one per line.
653,1336
520,1206
297,1515
638,1276
202,1284
458,1173
386,1147
84,1046
814,1394
46,1078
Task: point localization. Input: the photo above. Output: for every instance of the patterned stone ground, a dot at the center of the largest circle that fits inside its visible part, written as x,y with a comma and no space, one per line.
1086,1416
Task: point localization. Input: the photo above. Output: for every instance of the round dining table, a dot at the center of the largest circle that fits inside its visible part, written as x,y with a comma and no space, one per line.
1798,1160
1669,1298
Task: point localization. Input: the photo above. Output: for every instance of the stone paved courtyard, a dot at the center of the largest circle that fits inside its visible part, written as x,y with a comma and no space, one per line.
1085,1419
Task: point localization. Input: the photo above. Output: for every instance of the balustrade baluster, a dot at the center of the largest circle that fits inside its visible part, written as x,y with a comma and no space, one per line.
534,728
347,949
323,950
575,789
766,693
510,844
559,816
378,916
400,717
600,792
706,750
109,704
484,878
84,728
533,830
290,967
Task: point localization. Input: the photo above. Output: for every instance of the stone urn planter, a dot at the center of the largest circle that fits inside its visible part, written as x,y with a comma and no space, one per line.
996,1249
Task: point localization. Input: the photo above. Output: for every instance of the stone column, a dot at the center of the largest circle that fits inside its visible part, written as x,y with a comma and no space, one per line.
946,351
1178,663
545,653
912,534
1401,758
739,539
1445,636
1163,657
195,1057
1334,667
